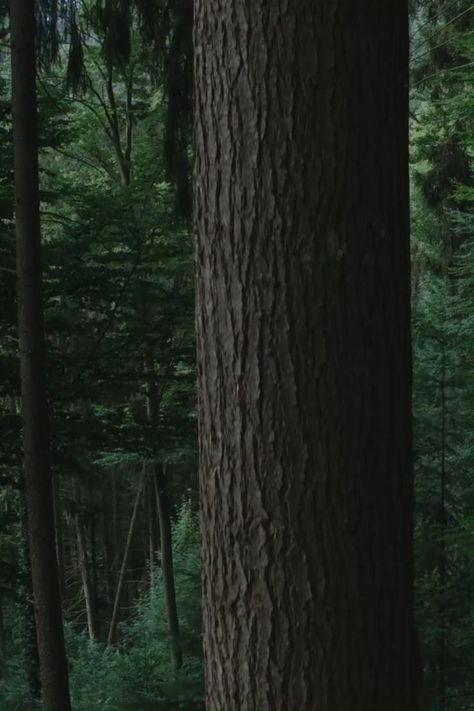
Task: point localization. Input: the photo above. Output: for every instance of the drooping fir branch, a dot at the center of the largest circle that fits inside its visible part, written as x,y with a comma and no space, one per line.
166,27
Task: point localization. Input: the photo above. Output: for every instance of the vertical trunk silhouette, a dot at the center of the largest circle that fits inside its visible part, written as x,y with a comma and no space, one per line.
442,525
167,567
93,566
87,586
126,554
58,525
2,642
38,484
160,484
304,355
151,527
26,584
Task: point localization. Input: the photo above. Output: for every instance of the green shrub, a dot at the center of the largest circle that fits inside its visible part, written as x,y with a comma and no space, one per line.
138,674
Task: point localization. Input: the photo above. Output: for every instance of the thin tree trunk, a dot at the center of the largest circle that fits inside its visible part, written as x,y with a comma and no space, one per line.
107,569
123,155
2,642
304,360
442,562
58,525
38,485
167,567
164,520
112,541
86,580
121,580
151,519
93,566
115,528
93,556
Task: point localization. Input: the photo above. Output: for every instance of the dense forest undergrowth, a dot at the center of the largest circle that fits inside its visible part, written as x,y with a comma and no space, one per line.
119,320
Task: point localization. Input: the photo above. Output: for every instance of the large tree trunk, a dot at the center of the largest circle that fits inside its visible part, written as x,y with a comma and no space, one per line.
30,636
39,495
304,362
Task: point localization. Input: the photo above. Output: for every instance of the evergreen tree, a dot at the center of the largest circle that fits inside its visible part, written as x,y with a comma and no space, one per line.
442,280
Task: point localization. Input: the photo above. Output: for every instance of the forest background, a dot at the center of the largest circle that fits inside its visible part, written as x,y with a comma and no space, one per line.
115,156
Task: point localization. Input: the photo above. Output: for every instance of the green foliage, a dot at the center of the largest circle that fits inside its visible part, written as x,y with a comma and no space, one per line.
443,332
139,674
443,340
19,687
118,277
14,689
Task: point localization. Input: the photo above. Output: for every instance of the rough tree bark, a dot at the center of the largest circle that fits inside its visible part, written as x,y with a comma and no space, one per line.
304,359
38,484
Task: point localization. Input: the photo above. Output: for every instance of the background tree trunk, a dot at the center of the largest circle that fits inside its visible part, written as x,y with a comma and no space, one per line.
442,535
304,359
123,570
38,484
87,586
2,641
58,526
161,486
167,566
